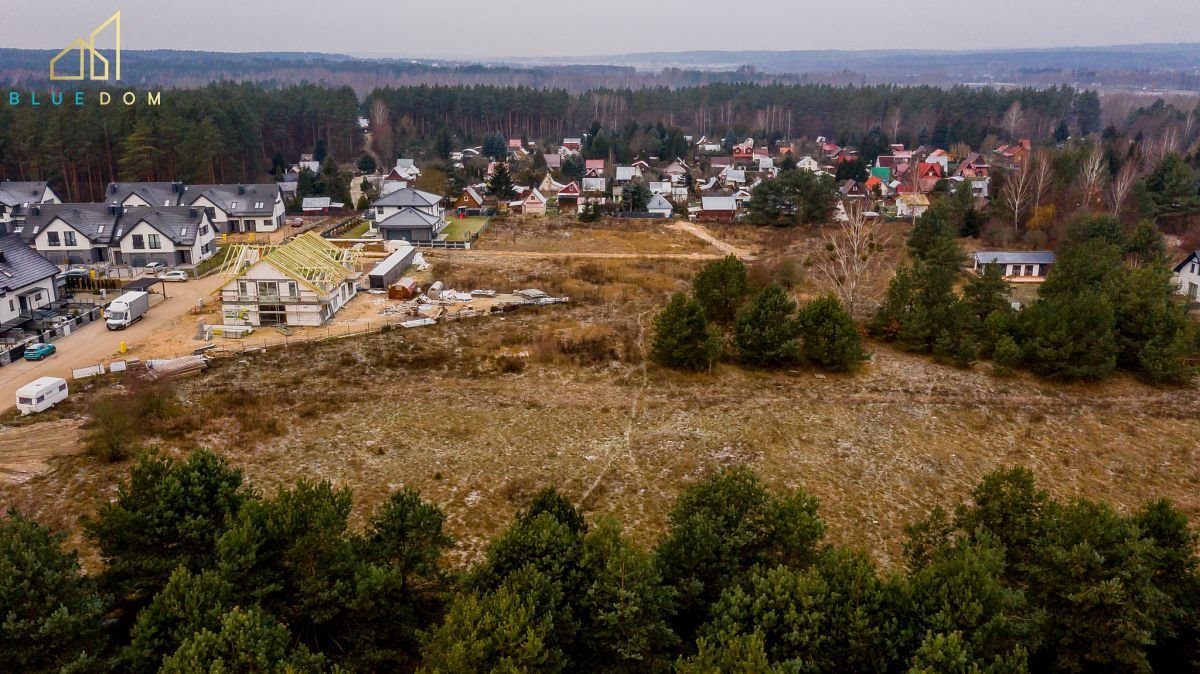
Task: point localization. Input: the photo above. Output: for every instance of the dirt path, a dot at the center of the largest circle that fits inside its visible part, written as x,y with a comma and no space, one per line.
25,450
703,234
97,344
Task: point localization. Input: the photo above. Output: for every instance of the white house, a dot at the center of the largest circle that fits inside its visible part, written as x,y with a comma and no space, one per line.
1187,276
27,280
238,208
809,164
303,282
912,205
133,235
659,206
1016,266
17,197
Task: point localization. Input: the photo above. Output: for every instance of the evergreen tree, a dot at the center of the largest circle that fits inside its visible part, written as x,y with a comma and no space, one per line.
683,338
829,338
500,185
247,641
51,617
721,289
635,196
1172,188
366,164
765,332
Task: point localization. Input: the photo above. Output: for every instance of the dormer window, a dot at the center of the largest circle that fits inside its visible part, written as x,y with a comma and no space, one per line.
233,206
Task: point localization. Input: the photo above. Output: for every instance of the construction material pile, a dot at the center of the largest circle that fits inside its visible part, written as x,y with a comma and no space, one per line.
176,368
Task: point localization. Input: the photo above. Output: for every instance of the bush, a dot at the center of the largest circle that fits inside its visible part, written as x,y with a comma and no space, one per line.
111,433
829,338
1006,356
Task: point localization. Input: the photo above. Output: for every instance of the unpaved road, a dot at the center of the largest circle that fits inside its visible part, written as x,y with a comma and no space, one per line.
703,234
95,343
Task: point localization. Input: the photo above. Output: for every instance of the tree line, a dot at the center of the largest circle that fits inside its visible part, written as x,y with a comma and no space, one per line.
202,573
221,133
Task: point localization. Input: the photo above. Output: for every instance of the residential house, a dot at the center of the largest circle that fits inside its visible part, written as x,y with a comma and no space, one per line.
973,166
531,202
16,197
659,187
238,208
676,168
568,196
744,151
627,173
553,161
469,200
1187,276
940,157
303,282
912,205
718,208
809,164
572,145
27,281
594,168
549,186
1017,266
852,189
659,206
319,206
409,215
786,149
595,185
732,178
132,235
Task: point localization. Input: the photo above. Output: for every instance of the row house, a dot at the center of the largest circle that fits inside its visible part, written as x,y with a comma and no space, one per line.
118,234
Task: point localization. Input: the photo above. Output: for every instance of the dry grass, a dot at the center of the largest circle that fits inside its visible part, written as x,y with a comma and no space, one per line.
480,414
608,235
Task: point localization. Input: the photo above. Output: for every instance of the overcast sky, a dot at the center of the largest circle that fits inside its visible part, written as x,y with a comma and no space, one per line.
548,28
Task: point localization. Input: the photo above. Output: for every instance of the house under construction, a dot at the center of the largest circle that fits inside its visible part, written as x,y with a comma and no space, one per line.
301,282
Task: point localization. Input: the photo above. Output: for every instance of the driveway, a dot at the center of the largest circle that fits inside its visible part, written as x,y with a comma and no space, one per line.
95,343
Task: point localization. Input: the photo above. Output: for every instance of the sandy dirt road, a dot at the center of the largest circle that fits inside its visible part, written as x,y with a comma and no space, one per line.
703,234
97,344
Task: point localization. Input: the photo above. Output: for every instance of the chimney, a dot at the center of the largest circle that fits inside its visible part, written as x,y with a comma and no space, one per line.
177,187
112,189
241,189
192,213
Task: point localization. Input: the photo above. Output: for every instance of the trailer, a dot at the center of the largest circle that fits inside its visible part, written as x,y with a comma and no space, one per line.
387,271
127,309
41,394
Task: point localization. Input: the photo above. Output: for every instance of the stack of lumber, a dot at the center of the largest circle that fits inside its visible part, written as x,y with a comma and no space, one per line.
176,367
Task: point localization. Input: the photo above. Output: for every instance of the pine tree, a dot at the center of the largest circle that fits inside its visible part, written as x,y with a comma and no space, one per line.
500,185
765,331
829,338
683,338
721,289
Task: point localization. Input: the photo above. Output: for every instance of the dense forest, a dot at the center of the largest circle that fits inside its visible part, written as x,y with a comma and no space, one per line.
202,573
222,133
911,115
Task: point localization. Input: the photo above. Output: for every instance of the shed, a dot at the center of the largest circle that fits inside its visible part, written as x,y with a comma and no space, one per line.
390,268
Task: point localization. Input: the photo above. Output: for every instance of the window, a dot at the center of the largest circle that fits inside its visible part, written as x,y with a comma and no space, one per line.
69,238
52,238
1028,270
154,241
258,205
203,230
1195,267
11,306
233,206
138,243
249,224
1193,291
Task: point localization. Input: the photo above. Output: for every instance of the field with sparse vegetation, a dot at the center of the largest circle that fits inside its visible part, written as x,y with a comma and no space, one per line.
480,414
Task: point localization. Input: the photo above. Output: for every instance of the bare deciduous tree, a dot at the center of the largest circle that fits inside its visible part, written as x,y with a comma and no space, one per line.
1091,174
1122,184
381,132
1014,118
1043,175
1017,193
855,257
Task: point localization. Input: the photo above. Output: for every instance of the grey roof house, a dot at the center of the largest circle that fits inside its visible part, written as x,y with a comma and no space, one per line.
409,214
27,281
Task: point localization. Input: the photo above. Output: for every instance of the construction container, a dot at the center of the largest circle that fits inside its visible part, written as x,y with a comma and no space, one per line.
386,272
404,289
435,290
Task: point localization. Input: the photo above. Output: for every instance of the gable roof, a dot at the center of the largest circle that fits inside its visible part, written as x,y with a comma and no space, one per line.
311,260
235,200
407,218
410,197
1014,257
21,265
103,224
718,203
154,194
25,192
658,202
179,225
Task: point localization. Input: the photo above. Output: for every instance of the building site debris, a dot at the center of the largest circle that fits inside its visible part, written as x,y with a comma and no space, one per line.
176,367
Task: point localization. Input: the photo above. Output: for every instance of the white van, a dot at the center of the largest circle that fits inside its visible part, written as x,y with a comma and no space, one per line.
41,394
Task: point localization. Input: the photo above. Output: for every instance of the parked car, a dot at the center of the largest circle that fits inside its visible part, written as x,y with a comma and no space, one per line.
155,266
174,275
77,272
296,222
39,351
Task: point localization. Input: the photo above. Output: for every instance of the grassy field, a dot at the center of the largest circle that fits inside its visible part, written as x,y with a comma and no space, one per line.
356,232
213,262
461,230
480,414
566,235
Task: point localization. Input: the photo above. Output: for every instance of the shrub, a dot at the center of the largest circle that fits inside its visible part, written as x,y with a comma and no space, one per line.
829,338
766,332
683,339
111,433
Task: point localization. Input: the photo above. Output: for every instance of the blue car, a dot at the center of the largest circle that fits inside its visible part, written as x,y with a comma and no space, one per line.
38,351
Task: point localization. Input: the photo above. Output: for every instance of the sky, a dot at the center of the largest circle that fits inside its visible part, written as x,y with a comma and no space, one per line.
480,29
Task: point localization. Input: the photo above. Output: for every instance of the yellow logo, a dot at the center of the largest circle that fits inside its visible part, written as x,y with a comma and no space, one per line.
90,47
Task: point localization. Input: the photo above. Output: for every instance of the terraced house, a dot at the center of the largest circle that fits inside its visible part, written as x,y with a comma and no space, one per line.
230,208
17,197
122,235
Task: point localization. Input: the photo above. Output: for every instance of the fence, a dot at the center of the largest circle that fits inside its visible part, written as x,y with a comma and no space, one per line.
342,227
10,353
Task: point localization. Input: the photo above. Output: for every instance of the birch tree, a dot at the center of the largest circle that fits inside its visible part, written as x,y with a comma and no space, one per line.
1017,193
1013,119
1091,174
855,257
1121,186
